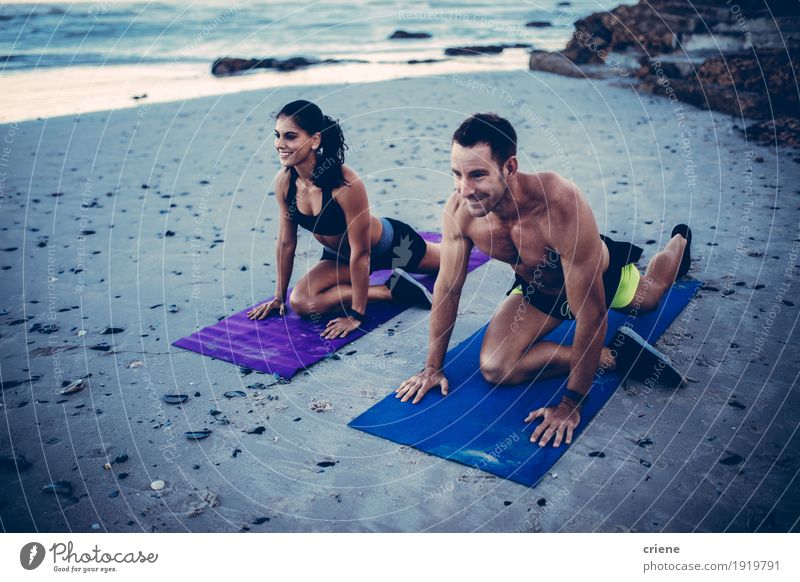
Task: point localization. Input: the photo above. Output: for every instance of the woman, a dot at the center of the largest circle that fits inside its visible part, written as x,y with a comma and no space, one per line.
317,191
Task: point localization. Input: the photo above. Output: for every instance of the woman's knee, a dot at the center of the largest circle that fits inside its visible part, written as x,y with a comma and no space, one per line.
300,303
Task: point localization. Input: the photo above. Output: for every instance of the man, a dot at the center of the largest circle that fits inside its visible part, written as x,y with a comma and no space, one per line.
542,226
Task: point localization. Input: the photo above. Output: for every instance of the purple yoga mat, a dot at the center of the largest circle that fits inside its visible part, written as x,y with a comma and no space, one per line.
286,345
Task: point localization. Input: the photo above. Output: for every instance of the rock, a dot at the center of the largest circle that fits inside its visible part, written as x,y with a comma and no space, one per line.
205,499
320,406
786,130
72,387
157,485
58,488
554,63
112,331
227,66
197,435
538,24
473,51
402,35
18,463
740,61
175,398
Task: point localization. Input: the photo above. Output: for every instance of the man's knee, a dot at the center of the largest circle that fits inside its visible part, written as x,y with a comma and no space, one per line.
495,370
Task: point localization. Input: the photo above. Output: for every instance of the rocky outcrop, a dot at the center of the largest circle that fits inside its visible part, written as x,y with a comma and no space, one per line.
658,27
404,35
227,66
740,57
471,51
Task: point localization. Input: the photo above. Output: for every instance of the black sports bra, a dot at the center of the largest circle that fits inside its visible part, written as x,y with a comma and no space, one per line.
330,220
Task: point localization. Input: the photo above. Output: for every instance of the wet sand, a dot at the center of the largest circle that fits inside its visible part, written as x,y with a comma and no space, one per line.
138,226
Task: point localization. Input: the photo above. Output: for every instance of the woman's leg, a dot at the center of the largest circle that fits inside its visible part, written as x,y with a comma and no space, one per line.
327,287
430,262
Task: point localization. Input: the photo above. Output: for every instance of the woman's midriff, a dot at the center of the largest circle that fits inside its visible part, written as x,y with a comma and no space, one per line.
333,241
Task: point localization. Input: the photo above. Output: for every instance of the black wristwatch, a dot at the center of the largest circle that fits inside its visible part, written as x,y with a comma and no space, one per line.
577,397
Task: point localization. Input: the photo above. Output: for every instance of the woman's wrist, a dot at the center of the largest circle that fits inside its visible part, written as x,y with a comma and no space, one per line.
355,314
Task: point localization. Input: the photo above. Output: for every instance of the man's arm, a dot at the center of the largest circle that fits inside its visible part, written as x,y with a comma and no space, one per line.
578,242
453,267
574,235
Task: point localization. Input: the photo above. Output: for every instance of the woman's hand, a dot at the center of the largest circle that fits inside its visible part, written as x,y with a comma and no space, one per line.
265,309
340,327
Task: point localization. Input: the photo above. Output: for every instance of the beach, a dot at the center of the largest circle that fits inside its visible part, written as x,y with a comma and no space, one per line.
126,230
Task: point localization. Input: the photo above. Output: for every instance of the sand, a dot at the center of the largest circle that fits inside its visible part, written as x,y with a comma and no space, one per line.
111,218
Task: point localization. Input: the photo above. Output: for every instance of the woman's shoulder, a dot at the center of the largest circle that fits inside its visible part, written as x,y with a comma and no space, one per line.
350,175
282,181
352,183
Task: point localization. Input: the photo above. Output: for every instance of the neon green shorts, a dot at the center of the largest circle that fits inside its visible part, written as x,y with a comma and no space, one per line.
626,290
628,282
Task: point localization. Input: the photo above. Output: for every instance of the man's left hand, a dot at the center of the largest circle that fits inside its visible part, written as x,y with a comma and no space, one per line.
339,327
558,420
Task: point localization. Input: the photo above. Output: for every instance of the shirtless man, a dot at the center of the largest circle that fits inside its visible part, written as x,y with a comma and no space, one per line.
543,227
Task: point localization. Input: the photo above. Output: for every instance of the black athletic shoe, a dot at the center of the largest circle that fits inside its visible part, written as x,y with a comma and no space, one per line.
406,289
686,260
640,360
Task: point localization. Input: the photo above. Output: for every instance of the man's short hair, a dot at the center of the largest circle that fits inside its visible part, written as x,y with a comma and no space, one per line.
491,129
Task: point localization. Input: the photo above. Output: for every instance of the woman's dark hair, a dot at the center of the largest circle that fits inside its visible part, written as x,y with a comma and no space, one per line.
330,155
491,129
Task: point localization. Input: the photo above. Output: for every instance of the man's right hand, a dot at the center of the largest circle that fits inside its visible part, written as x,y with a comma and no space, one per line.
419,384
265,309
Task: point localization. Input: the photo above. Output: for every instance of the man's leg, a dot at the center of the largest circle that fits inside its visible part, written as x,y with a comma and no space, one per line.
512,353
659,277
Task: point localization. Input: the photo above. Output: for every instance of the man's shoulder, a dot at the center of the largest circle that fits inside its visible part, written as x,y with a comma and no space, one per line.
456,210
546,183
557,192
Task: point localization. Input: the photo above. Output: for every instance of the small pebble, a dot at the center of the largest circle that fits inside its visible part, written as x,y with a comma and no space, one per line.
157,485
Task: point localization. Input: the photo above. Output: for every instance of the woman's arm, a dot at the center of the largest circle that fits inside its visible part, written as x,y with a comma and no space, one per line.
286,243
285,246
353,200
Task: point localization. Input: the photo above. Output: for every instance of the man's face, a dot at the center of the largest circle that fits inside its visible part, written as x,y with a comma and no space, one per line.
478,179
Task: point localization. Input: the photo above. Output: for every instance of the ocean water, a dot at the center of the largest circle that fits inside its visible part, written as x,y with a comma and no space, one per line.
103,33
64,58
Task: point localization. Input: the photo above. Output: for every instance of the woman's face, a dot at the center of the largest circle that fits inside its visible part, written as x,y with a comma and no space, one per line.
293,143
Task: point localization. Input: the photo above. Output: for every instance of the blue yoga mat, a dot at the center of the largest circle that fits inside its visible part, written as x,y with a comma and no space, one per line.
481,426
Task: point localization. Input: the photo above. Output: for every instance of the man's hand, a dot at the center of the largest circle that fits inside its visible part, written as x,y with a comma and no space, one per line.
339,327
265,309
557,420
416,386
